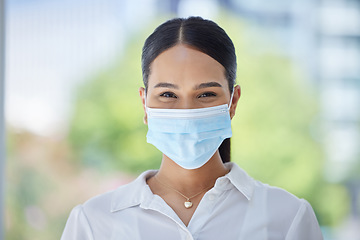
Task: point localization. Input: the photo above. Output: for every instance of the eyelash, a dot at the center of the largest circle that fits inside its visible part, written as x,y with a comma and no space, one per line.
207,94
168,93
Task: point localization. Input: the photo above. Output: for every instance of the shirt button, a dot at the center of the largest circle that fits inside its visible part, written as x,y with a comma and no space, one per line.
221,181
211,197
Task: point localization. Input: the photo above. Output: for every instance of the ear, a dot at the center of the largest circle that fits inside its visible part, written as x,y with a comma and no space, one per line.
142,97
235,99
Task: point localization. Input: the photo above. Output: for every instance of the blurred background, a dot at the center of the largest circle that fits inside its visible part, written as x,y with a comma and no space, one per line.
74,118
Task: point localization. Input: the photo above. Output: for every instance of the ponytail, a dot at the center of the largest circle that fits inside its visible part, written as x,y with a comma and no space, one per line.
224,150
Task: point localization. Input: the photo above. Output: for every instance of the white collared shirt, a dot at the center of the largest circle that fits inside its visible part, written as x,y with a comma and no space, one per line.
237,207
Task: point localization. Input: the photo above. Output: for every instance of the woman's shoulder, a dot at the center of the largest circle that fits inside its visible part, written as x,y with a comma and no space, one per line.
98,203
284,208
90,218
277,198
121,197
260,191
283,198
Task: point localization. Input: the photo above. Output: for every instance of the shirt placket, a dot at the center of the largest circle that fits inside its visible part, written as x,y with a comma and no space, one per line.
157,204
206,206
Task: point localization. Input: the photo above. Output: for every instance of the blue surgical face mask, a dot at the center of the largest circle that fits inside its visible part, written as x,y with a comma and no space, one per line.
189,137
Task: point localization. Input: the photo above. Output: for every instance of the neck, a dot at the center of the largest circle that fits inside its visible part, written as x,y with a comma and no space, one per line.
193,180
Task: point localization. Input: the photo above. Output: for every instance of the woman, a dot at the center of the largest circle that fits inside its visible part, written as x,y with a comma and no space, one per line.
189,99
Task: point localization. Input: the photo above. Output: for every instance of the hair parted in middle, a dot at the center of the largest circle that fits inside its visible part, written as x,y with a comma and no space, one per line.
201,34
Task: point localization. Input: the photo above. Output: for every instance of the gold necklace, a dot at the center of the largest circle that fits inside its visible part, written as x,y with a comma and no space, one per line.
187,203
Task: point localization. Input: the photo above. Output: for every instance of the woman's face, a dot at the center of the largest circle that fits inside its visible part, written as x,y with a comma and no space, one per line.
185,78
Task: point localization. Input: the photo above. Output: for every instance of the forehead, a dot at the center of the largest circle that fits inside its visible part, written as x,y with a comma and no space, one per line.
184,65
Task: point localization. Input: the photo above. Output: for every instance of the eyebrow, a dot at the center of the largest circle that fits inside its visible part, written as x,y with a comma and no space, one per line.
207,84
200,86
166,85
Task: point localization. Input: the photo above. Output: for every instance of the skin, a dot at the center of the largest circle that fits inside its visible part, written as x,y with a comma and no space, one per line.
185,78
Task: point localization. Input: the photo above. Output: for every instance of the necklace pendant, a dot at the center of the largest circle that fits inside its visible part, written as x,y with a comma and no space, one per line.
188,204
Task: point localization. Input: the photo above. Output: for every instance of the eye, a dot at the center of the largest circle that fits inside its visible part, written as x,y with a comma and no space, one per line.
168,95
207,94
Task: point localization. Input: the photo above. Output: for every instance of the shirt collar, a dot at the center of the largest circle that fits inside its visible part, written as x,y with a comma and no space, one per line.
241,180
138,191
132,194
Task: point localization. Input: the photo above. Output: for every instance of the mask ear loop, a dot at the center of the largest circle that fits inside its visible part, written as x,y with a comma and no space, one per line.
146,108
231,98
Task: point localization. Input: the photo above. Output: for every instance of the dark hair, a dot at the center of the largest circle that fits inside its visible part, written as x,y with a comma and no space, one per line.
201,34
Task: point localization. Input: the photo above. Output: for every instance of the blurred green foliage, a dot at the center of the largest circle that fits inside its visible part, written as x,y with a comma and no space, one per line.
107,130
273,130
